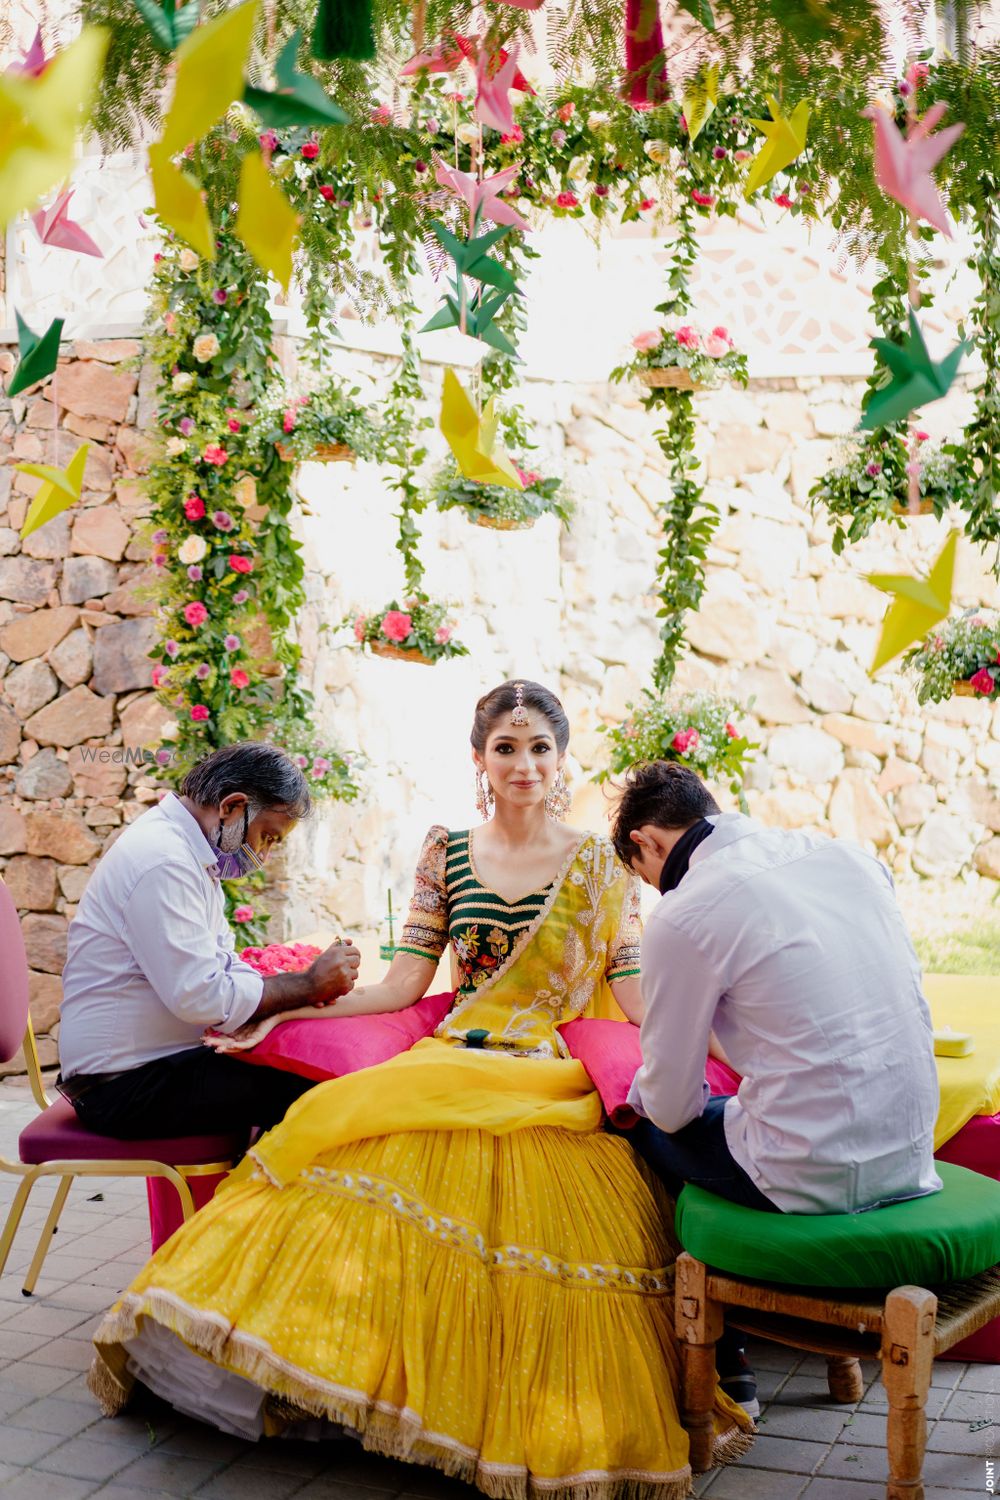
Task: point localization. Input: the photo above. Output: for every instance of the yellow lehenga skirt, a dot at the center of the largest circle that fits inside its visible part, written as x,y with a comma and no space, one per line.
496,1302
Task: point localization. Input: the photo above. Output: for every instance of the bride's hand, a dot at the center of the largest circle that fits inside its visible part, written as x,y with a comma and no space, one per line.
253,1032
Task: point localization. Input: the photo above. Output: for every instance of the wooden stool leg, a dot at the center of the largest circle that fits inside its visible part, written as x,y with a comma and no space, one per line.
843,1376
698,1321
907,1357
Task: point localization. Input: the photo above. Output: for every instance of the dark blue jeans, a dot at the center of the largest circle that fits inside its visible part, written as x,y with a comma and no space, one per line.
699,1154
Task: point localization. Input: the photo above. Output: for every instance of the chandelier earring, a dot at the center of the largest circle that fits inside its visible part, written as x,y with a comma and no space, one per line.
557,801
484,796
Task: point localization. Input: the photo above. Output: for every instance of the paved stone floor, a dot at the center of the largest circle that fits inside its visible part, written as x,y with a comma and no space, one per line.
54,1445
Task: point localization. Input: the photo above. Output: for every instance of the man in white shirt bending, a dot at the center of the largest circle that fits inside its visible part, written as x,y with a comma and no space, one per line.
792,948
151,962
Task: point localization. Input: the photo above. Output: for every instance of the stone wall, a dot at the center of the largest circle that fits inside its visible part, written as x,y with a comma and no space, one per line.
783,622
75,628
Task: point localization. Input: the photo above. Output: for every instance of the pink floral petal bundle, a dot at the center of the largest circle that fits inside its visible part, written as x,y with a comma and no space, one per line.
280,958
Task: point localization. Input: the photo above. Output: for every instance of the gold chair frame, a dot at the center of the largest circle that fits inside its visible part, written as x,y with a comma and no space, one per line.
67,1171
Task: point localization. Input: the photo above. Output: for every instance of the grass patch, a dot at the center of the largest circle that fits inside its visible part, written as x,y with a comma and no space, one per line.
971,950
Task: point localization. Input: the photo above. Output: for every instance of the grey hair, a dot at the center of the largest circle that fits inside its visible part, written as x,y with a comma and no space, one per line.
265,774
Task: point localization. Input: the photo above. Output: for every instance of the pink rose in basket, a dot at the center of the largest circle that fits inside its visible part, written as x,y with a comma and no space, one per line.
715,347
359,628
646,341
982,681
443,635
396,626
687,337
685,740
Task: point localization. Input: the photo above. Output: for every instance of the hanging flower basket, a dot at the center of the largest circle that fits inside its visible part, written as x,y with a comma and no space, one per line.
960,659
390,652
322,453
696,729
962,688
674,377
497,523
925,507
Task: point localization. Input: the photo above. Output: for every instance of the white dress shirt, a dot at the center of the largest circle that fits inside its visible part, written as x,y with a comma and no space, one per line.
793,948
150,961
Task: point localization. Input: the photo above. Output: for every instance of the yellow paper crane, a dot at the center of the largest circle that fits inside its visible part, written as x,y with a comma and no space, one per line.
786,139
699,100
60,489
210,67
266,223
39,120
180,203
473,438
918,604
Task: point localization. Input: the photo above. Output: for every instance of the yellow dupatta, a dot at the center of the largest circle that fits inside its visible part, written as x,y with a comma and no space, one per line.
556,972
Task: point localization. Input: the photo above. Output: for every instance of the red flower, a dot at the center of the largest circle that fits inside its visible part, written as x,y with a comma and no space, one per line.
233,425
240,564
513,137
195,613
194,507
243,914
215,454
396,626
647,203
566,111
158,674
327,192
704,200
685,740
982,681
199,713
568,200
732,731
310,151
782,200
239,678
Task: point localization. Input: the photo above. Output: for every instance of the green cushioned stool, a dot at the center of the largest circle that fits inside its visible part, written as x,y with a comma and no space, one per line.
902,1284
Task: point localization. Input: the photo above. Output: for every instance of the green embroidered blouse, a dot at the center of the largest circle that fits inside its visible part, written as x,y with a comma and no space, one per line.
451,904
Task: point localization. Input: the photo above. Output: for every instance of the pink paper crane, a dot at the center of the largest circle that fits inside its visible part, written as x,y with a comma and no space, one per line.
903,166
34,62
447,55
484,196
496,75
524,4
55,227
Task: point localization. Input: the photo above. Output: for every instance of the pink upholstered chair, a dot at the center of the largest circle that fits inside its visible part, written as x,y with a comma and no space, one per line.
55,1144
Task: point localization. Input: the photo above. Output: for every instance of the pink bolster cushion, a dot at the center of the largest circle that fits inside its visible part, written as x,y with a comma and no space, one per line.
334,1045
609,1050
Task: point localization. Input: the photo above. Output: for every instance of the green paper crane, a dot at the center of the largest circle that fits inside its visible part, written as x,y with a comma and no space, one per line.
167,25
299,99
39,354
475,315
916,379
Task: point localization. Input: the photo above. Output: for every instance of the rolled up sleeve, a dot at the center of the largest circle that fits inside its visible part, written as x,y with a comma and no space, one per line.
681,992
189,962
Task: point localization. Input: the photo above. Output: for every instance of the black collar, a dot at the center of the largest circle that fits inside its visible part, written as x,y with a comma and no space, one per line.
675,866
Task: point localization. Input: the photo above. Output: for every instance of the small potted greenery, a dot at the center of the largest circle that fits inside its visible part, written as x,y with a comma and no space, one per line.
873,483
685,358
961,660
325,425
496,506
695,729
417,631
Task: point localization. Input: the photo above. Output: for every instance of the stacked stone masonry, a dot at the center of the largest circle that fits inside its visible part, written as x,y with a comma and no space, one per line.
784,623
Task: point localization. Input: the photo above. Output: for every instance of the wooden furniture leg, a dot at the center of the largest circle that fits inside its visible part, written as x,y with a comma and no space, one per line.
907,1357
843,1376
698,1326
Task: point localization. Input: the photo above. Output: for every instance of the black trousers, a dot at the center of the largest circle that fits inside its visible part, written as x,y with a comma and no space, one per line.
196,1092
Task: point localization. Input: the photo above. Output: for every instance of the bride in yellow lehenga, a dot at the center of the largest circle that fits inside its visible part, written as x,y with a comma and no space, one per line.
446,1254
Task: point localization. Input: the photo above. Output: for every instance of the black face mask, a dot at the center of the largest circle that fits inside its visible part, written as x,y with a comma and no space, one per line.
675,866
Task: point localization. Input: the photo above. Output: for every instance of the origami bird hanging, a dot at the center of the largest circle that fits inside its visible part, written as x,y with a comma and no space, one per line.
903,165
474,315
495,77
786,140
472,437
60,489
483,199
55,227
266,222
916,378
699,100
40,115
39,354
918,604
299,99
210,66
34,62
167,25
180,203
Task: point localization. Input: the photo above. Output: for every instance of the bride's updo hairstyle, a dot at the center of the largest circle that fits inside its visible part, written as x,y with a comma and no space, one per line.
499,705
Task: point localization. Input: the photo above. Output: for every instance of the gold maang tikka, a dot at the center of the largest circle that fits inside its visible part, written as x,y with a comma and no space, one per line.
519,714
